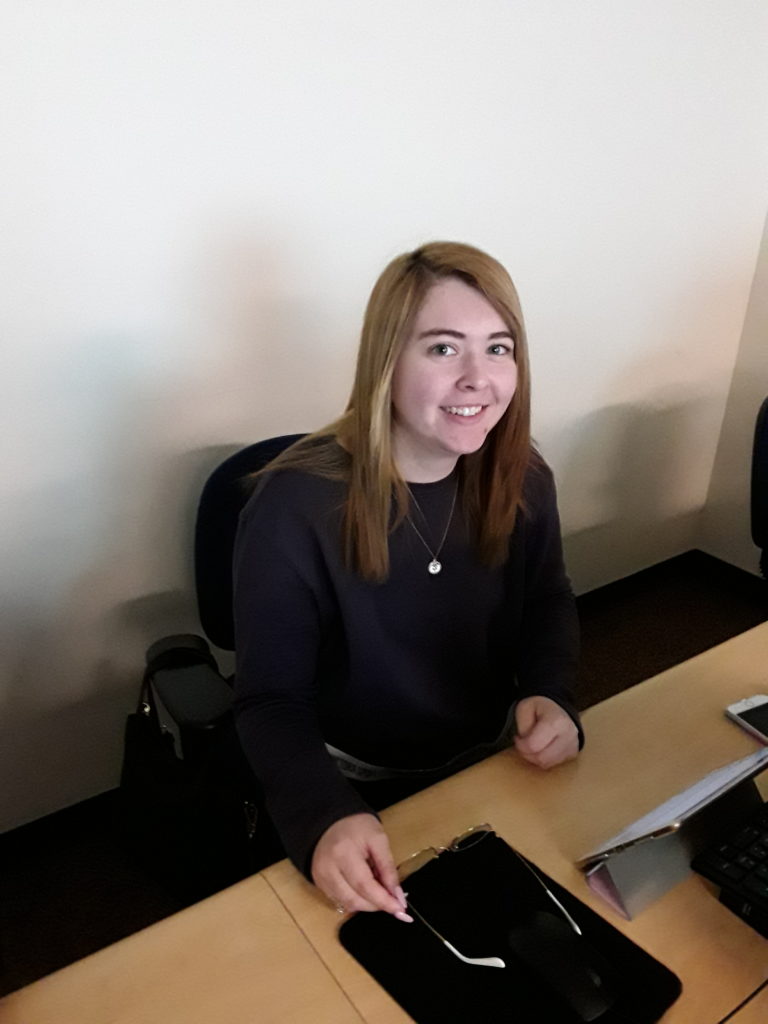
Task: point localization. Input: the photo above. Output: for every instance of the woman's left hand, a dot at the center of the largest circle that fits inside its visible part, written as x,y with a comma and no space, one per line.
546,735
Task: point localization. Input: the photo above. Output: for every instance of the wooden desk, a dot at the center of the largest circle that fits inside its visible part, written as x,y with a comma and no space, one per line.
236,958
266,949
755,1012
643,746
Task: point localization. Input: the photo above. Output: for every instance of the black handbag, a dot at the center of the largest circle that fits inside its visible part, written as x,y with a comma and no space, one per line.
191,821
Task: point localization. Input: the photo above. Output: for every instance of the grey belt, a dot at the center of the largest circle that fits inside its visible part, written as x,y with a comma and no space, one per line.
353,768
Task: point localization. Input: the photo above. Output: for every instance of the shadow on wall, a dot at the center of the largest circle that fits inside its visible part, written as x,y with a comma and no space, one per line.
180,482
638,477
270,346
47,757
100,528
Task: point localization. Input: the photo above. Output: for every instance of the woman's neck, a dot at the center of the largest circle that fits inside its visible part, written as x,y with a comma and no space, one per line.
425,471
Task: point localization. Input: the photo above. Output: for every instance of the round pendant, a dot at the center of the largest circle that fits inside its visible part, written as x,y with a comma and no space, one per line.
434,567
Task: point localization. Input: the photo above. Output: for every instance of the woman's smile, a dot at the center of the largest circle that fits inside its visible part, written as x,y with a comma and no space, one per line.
467,411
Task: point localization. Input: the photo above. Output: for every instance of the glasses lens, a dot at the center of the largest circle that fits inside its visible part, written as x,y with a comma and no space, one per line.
415,862
471,837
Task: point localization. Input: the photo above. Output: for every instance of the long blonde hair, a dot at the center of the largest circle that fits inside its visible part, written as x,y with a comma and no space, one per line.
358,446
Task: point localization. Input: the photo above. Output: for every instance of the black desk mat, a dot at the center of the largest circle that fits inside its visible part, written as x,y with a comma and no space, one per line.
474,898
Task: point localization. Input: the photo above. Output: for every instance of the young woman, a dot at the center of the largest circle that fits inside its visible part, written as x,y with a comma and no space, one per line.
401,605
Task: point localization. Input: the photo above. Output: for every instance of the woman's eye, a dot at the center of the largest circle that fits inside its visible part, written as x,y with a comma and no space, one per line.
499,349
442,348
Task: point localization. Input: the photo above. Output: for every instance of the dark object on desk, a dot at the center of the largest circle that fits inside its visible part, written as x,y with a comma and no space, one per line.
190,808
564,962
484,900
759,490
738,863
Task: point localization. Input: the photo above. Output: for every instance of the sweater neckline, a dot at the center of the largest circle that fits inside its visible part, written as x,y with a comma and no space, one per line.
433,485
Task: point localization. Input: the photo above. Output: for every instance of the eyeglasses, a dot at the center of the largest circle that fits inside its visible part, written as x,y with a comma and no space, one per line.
465,841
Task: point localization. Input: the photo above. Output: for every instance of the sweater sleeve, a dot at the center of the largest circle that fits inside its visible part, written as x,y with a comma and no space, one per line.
278,626
549,635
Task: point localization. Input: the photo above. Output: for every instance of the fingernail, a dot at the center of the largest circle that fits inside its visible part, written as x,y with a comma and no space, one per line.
401,897
402,916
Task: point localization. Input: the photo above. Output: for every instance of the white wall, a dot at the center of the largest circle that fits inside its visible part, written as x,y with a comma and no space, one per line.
726,518
196,200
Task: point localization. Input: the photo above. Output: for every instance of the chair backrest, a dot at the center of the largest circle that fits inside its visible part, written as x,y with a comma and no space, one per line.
760,485
224,495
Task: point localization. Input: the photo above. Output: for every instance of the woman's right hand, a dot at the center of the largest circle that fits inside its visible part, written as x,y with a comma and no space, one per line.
352,864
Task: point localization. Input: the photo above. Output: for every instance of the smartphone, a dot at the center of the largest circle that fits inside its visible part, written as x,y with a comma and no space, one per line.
752,715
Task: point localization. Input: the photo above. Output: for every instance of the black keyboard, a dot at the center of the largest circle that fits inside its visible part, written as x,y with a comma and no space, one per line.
738,863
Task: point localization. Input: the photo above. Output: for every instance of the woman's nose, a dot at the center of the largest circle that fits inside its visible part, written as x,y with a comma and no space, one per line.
473,376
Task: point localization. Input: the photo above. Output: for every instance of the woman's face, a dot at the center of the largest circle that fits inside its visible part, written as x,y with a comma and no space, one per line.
452,382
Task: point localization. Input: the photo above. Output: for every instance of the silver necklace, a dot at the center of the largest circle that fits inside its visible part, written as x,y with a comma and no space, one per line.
435,565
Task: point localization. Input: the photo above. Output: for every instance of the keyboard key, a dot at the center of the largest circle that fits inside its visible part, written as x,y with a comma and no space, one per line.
756,887
746,837
721,866
727,851
746,862
733,871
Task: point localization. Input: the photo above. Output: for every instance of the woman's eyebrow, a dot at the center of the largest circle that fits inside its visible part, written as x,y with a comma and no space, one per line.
435,331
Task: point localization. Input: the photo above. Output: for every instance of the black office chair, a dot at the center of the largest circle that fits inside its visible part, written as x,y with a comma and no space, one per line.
760,487
190,807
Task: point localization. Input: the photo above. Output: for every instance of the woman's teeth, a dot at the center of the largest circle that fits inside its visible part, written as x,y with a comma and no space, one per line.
463,410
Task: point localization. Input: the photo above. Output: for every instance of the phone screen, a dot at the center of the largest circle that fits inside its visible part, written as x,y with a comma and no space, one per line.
757,718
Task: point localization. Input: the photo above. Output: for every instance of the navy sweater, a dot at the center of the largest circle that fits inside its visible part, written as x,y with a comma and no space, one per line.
407,673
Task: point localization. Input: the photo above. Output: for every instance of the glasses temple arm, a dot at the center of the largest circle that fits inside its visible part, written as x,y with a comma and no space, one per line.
551,895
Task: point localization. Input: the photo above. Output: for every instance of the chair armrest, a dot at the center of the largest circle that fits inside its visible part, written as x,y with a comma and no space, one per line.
194,696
